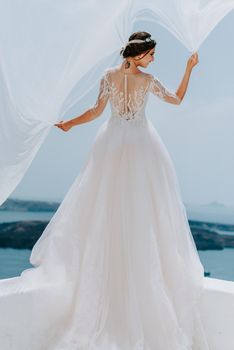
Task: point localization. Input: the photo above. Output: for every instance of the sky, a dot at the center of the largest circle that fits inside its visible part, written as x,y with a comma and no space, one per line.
199,133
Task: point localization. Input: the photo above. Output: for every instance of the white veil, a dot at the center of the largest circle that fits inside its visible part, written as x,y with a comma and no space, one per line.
53,53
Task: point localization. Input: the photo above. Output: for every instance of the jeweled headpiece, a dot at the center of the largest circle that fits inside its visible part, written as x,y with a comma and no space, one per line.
146,40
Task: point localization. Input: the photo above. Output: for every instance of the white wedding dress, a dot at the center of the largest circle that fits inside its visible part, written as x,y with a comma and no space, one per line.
116,267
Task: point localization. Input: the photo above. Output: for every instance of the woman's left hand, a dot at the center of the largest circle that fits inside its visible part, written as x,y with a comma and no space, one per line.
65,126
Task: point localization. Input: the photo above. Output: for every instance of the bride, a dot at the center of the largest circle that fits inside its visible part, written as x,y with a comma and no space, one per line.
116,268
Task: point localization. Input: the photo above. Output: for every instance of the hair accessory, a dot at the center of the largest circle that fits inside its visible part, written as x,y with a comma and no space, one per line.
146,40
135,41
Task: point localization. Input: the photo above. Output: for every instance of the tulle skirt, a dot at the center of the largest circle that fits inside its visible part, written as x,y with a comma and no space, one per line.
116,268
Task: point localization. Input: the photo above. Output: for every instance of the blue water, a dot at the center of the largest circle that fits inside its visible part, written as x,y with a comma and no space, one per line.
13,261
220,263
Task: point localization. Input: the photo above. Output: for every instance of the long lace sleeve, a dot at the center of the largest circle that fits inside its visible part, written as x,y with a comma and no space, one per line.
157,88
102,98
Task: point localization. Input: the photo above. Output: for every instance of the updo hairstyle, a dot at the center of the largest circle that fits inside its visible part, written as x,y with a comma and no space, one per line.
134,49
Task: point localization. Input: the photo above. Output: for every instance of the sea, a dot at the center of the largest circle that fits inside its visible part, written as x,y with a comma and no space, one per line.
218,263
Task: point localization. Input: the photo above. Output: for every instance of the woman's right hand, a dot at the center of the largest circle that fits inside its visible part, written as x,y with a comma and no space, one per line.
192,61
65,126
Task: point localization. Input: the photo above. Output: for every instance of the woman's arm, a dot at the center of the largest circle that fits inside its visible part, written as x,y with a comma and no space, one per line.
91,113
157,88
192,61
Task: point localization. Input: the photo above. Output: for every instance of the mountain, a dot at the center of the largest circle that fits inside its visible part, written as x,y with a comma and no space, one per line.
214,212
24,234
28,205
212,224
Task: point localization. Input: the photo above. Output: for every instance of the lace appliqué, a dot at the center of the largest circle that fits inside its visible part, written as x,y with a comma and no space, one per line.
157,88
127,105
102,98
104,88
128,102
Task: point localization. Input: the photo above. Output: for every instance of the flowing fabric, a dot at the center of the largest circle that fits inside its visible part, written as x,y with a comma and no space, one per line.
51,55
116,268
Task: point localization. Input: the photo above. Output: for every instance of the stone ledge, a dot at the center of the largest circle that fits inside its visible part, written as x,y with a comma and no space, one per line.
217,313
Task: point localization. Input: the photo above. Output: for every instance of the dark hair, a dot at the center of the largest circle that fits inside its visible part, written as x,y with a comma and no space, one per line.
134,49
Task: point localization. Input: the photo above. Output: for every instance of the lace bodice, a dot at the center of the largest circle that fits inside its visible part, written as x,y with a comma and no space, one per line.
128,93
